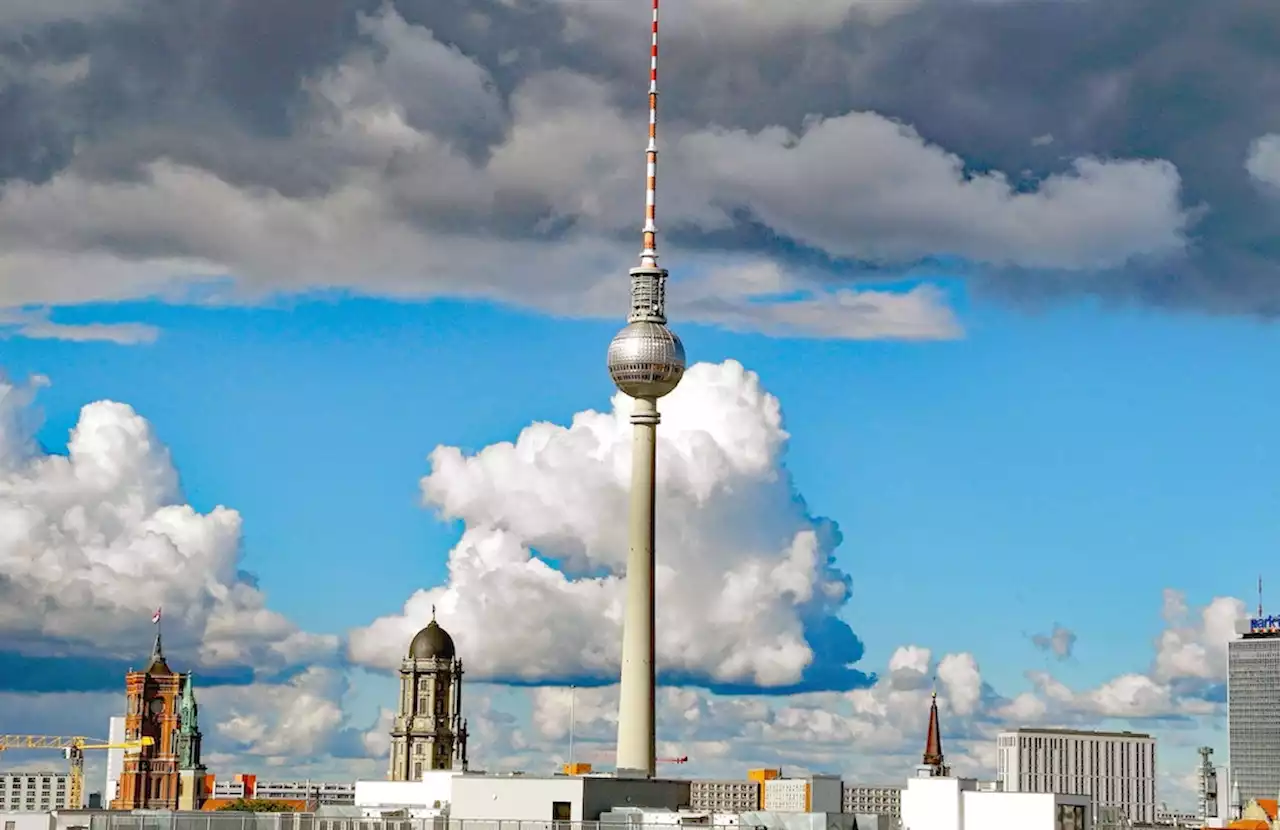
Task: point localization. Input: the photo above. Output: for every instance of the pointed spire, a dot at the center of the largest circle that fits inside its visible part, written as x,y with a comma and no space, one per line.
157,664
189,691
433,613
933,742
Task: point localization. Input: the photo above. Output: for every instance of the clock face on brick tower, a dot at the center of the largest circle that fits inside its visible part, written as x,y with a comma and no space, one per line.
157,706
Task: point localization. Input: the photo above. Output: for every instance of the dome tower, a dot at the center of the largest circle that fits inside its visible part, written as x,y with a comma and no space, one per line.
429,732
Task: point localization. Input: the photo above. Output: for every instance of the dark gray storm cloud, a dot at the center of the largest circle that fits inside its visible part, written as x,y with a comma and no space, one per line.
780,125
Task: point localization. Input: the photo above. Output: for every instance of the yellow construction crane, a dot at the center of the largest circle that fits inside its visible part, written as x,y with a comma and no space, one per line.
73,748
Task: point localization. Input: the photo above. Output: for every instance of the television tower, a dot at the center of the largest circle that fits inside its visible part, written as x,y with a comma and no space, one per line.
646,361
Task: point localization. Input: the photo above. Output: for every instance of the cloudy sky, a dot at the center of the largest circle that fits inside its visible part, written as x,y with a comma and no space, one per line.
304,307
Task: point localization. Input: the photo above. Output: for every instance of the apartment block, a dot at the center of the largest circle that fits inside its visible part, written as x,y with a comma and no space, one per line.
35,791
727,796
879,800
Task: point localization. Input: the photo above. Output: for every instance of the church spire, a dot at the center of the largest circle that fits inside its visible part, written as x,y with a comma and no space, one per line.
157,664
933,743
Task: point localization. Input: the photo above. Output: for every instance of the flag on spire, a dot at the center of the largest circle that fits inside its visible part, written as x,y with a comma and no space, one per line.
155,618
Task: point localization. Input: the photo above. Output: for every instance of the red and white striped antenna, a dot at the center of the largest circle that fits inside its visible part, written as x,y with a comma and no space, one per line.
649,256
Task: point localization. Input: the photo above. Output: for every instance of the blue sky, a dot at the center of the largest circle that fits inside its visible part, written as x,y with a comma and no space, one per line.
1062,466
1008,296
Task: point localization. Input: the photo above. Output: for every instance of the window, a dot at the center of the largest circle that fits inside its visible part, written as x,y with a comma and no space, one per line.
560,811
10,825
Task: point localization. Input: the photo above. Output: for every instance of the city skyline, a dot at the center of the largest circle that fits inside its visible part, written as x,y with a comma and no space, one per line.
1008,434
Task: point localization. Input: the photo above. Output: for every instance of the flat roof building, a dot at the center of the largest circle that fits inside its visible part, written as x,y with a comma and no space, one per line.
559,797
874,799
1253,708
35,791
1115,769
724,796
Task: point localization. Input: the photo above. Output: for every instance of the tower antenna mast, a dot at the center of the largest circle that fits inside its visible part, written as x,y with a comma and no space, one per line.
649,254
646,361
1259,596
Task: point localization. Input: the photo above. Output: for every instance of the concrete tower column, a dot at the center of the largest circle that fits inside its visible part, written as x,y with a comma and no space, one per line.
637,745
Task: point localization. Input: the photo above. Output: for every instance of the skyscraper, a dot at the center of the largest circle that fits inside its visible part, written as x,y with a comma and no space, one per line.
1253,708
429,732
646,361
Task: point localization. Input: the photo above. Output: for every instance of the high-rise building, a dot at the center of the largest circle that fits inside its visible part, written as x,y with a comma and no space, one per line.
1253,708
429,732
22,792
150,778
1115,769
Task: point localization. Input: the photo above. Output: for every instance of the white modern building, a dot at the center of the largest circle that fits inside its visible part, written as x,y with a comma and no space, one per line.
115,759
35,791
559,797
1115,769
427,798
1253,709
944,803
814,794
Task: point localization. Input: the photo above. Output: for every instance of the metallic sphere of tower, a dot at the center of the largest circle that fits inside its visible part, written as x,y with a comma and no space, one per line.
646,359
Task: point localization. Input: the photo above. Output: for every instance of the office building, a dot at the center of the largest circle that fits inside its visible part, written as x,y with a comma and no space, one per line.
1253,708
35,791
727,796
877,800
1115,769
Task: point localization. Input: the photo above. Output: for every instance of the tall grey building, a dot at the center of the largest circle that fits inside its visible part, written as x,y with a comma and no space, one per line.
1253,708
1115,769
429,732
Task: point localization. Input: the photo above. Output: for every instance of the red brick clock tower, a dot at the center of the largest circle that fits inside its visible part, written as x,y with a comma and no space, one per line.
150,780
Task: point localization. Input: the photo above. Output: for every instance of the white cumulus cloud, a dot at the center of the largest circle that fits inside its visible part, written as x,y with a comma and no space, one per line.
535,591
93,541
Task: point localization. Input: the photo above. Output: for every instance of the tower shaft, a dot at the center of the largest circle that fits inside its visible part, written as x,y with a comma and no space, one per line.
637,737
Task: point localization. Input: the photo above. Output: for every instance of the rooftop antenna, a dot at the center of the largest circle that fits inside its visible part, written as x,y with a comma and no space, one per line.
649,254
1259,596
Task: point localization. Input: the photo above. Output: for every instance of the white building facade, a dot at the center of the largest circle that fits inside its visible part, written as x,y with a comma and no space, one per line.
1115,769
115,759
938,803
35,791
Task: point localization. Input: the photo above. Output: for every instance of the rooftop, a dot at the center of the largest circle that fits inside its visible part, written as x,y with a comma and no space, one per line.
1079,733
